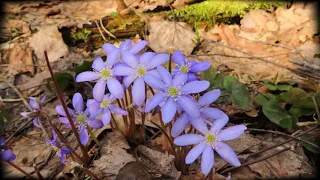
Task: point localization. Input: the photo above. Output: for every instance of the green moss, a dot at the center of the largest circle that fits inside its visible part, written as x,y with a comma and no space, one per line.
217,11
82,34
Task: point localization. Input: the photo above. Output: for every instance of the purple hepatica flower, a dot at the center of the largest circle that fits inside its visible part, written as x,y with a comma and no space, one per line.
57,147
136,71
82,119
104,107
174,91
103,73
188,67
124,46
5,154
205,112
36,106
209,141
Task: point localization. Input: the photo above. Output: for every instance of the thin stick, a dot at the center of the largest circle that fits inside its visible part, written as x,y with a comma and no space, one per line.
21,170
256,161
104,38
286,141
283,134
109,33
37,172
21,97
74,130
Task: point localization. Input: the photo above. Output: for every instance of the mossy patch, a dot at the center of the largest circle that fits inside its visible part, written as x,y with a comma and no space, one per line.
81,35
217,11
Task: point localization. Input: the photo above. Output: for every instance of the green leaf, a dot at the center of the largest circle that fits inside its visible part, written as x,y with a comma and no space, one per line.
64,81
228,82
217,82
114,14
278,115
85,66
209,74
310,138
298,98
4,115
280,87
261,100
240,95
298,112
270,87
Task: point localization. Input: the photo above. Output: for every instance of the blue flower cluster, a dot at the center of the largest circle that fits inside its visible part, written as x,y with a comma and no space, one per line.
177,95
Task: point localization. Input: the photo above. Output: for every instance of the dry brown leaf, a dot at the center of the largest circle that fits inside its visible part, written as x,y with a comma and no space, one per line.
161,162
147,5
166,37
114,156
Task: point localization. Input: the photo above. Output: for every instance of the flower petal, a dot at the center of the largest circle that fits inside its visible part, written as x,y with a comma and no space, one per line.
112,57
34,103
209,97
99,89
130,59
195,87
43,98
98,64
106,116
95,123
178,58
138,46
128,80
179,79
146,57
154,72
125,45
115,88
61,157
200,125
192,77
227,153
188,139
155,101
169,110
84,136
2,142
35,122
138,91
180,124
165,75
92,106
25,114
65,151
195,152
231,132
60,111
117,110
87,76
199,67
157,60
154,82
122,70
109,47
221,119
64,120
189,106
77,102
7,155
207,160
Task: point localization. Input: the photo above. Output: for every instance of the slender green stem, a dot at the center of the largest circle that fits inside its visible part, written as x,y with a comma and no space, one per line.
93,137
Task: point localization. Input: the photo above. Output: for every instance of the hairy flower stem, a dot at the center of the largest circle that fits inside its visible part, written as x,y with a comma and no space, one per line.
21,170
93,137
74,130
316,106
142,133
125,120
